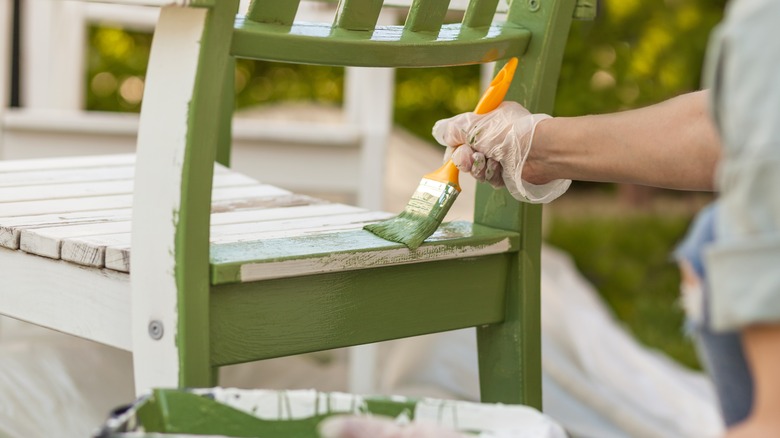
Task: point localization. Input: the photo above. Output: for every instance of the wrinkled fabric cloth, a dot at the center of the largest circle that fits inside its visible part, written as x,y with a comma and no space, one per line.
494,147
741,70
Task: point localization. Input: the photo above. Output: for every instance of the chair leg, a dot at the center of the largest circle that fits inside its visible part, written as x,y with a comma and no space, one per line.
510,352
510,369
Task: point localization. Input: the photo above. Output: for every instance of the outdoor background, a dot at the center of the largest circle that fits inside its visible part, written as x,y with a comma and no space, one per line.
634,54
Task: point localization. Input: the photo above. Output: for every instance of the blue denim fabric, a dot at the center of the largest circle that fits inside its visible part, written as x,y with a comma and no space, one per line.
721,352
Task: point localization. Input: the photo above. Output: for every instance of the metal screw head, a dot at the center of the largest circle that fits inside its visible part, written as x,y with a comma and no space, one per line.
534,5
156,330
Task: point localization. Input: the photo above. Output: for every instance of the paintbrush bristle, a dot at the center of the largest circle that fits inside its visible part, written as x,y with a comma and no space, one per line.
422,215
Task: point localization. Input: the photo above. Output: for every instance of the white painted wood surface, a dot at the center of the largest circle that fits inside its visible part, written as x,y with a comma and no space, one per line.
162,140
89,303
80,162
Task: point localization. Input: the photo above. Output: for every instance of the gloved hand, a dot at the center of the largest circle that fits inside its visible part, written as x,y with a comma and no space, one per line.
495,147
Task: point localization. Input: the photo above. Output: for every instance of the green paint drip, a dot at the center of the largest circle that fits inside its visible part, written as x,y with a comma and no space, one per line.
422,215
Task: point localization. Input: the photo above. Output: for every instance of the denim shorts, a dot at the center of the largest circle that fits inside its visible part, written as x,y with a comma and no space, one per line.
721,353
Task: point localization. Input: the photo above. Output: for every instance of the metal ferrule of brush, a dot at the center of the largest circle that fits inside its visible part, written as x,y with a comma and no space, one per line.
430,196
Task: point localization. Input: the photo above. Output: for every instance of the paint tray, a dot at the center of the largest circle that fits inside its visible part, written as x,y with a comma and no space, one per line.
231,412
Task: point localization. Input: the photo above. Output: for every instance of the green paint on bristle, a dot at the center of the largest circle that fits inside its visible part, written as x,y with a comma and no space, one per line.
422,215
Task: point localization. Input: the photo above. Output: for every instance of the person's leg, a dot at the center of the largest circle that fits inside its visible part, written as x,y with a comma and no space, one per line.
762,345
722,354
724,360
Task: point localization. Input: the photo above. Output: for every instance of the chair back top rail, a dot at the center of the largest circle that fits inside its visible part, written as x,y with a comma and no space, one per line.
271,32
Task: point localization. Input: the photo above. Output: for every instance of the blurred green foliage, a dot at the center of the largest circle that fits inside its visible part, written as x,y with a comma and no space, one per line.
634,54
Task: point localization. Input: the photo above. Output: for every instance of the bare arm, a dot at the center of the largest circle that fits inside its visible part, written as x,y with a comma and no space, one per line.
672,144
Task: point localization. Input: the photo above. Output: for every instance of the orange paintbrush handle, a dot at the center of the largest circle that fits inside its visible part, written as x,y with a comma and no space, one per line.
495,93
491,99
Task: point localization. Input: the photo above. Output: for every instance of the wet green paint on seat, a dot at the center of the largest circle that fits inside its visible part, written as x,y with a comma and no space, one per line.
356,249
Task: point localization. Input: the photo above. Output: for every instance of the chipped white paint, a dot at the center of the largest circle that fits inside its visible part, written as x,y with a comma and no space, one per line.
89,250
162,140
11,227
87,243
362,260
118,258
89,303
58,220
115,249
48,241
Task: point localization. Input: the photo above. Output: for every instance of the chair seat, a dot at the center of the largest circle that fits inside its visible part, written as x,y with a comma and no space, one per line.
79,210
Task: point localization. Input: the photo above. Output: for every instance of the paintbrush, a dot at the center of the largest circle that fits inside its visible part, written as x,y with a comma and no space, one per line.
439,189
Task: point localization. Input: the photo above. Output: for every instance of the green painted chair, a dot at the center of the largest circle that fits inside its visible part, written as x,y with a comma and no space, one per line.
203,267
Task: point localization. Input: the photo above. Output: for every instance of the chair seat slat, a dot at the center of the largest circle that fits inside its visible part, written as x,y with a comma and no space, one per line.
36,177
71,163
329,252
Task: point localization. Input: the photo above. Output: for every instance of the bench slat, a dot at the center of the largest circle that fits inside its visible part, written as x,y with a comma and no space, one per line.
44,238
231,198
40,177
96,188
358,249
8,166
87,244
78,245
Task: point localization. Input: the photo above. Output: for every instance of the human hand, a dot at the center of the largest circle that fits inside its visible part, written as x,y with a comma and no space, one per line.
376,427
494,148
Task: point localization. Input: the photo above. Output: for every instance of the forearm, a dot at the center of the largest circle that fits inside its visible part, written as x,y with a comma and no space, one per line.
672,144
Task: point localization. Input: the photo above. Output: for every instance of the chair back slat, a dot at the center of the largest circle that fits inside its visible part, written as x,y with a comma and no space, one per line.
426,15
273,11
480,13
358,14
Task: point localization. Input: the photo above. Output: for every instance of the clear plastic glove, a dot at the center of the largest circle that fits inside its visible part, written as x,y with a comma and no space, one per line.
494,147
376,427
